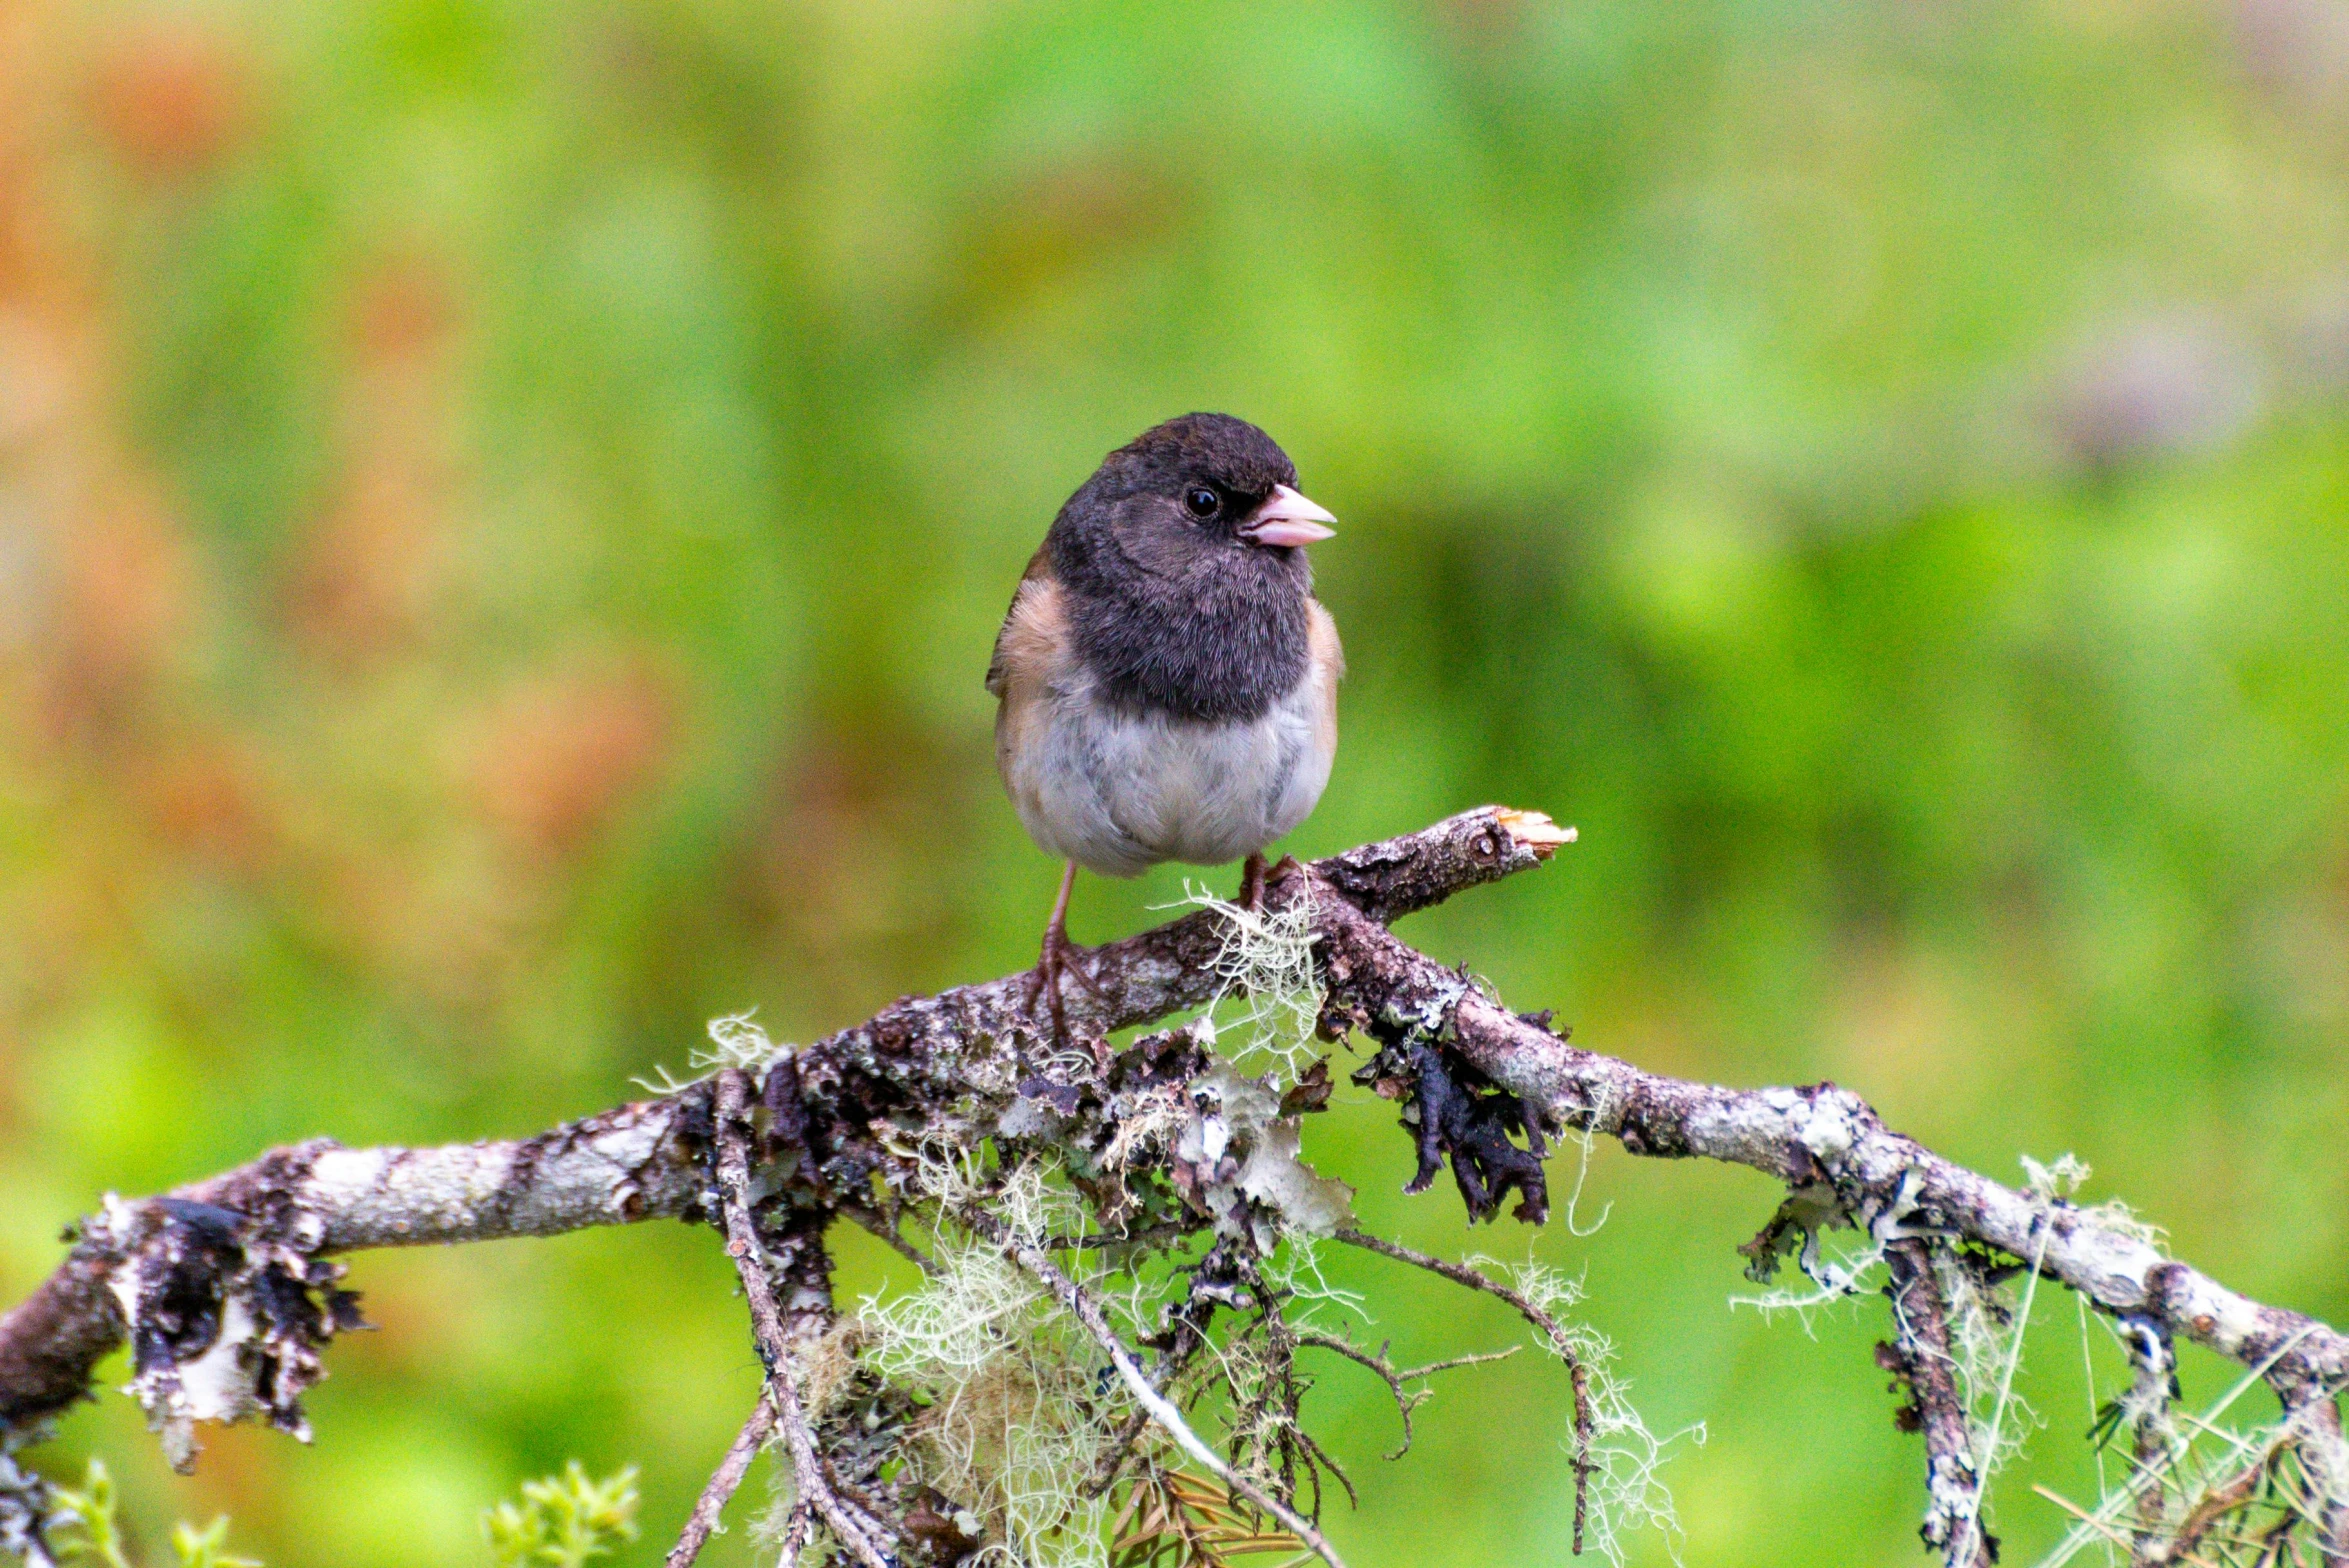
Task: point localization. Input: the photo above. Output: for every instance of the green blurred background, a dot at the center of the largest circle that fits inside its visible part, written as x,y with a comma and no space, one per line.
503,508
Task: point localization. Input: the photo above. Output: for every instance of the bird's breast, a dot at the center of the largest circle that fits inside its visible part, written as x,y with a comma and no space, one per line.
1118,789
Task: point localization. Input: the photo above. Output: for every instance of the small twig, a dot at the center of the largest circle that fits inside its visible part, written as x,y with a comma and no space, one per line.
2148,1402
795,1532
1073,1298
2215,1504
854,1531
1103,1240
2103,1527
1551,1329
1271,1416
1919,1355
1582,1462
1321,1457
1121,1447
1405,1400
723,1481
2274,1542
2316,1412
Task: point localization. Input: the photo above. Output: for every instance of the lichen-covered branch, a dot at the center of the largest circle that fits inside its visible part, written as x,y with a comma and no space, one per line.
1819,1136
177,1263
2314,1417
1919,1356
226,1290
781,1335
1155,1404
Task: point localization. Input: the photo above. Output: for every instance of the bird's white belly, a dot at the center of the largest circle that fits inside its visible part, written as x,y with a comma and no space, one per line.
1119,792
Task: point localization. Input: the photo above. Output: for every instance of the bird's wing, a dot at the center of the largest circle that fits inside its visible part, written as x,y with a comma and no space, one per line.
1329,666
1321,637
1034,603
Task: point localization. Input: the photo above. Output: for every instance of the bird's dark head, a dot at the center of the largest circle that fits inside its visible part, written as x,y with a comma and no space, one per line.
1194,488
1185,552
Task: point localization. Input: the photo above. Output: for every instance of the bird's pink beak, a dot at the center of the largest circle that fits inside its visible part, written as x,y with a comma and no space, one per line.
1287,518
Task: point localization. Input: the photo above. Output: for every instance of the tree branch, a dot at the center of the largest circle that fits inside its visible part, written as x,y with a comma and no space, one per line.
645,1160
778,1338
1544,1324
1919,1356
225,1293
1819,1134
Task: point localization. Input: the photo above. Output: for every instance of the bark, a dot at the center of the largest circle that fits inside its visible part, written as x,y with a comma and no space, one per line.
1919,1356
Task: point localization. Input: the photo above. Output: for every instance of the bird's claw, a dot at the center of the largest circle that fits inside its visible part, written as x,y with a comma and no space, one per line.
1063,957
1255,878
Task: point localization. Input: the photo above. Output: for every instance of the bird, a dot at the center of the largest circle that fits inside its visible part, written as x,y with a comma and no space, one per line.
1166,682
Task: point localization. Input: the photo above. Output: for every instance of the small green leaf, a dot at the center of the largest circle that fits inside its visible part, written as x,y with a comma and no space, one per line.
91,1510
206,1548
563,1520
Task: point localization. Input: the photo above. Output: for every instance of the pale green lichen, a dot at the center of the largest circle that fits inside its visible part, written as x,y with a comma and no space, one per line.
1628,1494
2061,1179
1987,1325
736,1042
1268,996
1243,1115
1836,1272
1017,1419
1295,1271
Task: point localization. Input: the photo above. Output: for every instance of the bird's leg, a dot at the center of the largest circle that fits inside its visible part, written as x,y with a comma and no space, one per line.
1252,882
1044,979
1060,957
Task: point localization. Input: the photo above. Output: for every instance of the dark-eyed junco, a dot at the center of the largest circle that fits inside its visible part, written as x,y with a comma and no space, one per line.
1168,682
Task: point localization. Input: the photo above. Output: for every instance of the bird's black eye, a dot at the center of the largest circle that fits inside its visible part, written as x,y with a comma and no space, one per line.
1203,502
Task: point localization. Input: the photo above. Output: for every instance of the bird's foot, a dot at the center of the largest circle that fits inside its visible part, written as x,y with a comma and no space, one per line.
1063,957
1252,883
1254,879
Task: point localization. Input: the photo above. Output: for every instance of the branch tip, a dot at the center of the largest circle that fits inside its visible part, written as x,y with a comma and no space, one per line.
1534,830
